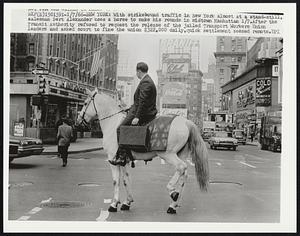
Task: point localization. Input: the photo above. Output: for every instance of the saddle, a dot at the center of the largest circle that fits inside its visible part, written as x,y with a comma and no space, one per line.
149,137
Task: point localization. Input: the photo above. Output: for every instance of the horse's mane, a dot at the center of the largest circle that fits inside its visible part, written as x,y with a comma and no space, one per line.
107,102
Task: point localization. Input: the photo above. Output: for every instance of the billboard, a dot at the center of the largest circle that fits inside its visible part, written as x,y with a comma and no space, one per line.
175,111
263,92
174,93
175,63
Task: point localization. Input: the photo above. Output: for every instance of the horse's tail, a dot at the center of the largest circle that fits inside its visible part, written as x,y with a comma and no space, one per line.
199,155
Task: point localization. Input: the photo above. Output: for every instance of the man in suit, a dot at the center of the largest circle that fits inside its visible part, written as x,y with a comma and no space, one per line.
64,135
142,111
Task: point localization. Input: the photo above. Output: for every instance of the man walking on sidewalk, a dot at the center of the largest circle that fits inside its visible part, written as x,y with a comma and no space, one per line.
64,135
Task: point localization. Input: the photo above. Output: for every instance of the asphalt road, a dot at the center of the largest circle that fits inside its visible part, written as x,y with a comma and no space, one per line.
245,187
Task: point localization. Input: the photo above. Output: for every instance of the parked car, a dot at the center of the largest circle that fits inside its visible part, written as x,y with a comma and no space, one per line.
24,146
222,139
206,135
239,135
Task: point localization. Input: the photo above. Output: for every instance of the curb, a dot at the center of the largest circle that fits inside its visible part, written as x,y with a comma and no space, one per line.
252,144
74,152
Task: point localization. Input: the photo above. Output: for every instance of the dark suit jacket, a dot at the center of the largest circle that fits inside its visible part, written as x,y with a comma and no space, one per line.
144,106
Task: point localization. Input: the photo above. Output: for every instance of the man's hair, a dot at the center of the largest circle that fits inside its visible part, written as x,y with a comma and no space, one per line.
142,66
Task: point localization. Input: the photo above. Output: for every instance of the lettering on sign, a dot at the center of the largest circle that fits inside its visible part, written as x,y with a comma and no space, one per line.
263,91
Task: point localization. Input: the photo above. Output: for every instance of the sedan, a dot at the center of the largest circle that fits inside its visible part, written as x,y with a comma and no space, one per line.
24,146
222,139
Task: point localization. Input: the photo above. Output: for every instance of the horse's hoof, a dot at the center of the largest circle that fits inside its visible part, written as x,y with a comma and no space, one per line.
124,207
171,210
112,209
174,196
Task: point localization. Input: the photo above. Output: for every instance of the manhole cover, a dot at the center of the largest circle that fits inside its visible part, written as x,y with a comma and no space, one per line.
225,182
63,204
89,184
23,184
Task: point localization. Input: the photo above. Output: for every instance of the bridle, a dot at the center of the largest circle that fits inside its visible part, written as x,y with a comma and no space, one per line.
84,122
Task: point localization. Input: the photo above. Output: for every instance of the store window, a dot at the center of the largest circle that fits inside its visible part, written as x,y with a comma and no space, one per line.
31,48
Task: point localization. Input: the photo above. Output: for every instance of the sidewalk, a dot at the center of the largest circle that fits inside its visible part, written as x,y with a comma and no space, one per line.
81,145
254,143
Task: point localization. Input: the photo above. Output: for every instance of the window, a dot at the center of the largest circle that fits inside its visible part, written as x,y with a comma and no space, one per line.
233,48
72,45
58,38
239,59
222,48
65,38
233,59
239,48
221,81
31,66
221,59
64,54
31,48
57,52
221,71
50,50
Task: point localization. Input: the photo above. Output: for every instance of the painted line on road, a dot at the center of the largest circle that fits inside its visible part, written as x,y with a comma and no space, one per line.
107,200
162,161
103,216
190,162
256,157
244,163
34,210
24,218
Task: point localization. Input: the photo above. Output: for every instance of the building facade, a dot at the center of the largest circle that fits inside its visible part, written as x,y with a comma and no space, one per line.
179,87
254,93
230,57
67,60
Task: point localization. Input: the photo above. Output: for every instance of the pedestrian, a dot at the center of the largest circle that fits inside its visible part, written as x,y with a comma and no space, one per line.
142,111
64,135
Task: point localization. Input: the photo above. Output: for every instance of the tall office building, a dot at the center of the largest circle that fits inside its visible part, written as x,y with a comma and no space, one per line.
230,57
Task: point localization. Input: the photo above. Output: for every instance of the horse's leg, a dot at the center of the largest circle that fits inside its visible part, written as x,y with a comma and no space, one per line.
177,182
116,183
128,187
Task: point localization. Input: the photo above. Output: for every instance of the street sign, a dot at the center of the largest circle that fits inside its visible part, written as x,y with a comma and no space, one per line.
40,71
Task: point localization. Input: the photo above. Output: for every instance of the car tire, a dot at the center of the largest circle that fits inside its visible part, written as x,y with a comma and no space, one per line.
234,148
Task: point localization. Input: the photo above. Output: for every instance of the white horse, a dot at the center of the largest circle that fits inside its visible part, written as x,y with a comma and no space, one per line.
184,140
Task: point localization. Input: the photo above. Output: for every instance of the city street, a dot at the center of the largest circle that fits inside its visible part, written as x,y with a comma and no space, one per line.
245,187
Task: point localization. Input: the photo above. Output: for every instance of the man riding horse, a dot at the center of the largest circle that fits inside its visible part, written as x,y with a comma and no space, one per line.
142,111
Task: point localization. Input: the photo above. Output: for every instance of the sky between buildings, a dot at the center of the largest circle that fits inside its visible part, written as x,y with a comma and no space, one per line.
142,47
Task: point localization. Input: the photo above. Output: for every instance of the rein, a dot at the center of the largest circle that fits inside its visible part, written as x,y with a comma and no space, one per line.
92,99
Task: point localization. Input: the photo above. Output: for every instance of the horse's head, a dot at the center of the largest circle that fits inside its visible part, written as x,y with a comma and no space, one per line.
88,111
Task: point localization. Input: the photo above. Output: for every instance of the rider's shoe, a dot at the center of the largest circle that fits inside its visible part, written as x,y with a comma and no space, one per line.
118,160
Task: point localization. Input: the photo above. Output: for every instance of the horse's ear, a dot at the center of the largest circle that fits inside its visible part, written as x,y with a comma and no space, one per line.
88,92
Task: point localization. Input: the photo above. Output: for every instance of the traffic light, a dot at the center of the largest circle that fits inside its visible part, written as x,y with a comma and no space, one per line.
42,84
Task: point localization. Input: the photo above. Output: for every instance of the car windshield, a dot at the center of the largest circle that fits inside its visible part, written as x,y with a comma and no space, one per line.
238,133
221,134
